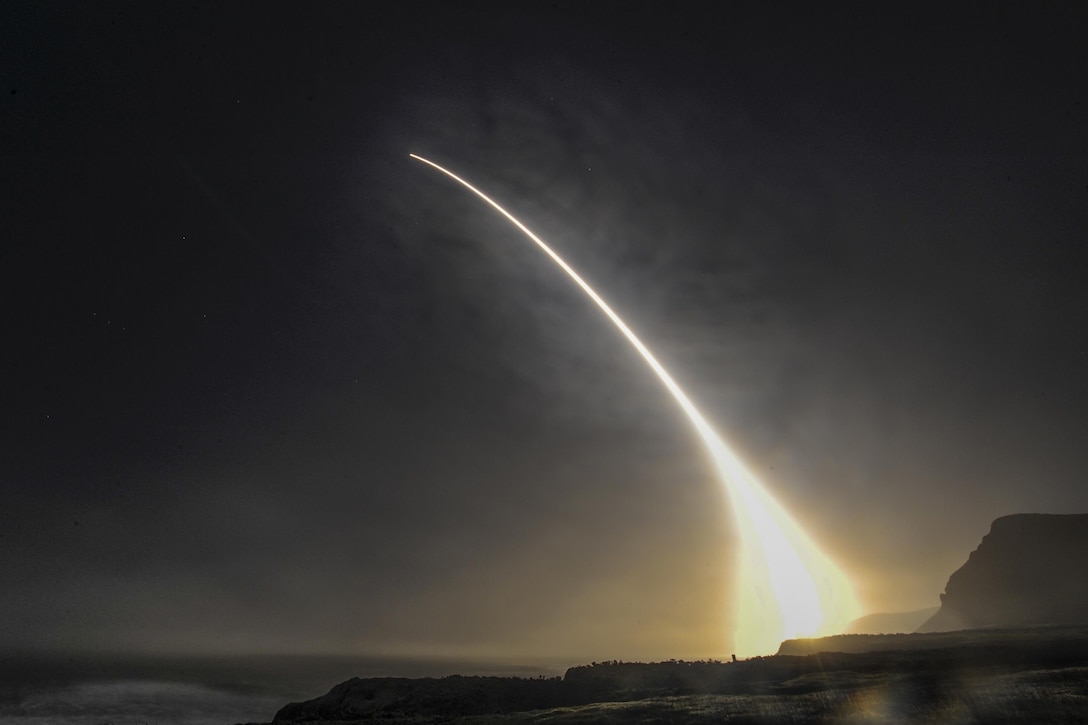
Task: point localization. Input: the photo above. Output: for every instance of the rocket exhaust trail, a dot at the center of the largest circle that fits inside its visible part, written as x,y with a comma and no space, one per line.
788,587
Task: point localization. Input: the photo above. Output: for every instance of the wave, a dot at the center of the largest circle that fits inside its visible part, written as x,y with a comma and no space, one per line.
132,702
149,690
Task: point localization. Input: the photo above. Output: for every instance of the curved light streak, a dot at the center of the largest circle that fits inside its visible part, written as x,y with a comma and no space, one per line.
787,587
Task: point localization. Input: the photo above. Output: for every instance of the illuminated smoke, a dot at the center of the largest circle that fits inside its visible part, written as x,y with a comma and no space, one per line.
786,586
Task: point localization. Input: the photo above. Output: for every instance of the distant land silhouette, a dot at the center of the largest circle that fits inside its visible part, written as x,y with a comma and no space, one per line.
1030,570
890,623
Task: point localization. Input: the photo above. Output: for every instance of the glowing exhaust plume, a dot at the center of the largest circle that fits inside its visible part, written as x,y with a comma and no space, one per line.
786,586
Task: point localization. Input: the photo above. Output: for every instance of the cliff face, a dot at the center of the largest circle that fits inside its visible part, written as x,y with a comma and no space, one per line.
1031,569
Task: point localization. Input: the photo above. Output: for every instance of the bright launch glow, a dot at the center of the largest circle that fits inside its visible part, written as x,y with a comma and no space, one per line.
787,587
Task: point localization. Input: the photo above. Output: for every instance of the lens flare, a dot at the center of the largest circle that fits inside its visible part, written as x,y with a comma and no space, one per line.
787,587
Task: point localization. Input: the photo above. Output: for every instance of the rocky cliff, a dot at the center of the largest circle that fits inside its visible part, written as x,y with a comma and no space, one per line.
1030,570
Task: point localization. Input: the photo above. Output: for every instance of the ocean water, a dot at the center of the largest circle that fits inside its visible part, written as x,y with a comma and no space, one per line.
200,690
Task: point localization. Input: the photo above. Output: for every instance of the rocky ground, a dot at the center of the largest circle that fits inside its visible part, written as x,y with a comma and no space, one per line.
992,676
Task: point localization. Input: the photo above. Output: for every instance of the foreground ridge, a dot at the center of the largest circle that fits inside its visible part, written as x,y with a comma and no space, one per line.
1013,675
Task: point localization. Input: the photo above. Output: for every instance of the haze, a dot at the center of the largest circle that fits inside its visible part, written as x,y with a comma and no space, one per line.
269,390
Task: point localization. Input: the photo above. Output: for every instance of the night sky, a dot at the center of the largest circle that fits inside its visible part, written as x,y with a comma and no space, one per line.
269,385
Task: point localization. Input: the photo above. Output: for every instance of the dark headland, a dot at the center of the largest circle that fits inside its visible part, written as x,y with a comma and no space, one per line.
1023,657
1030,570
